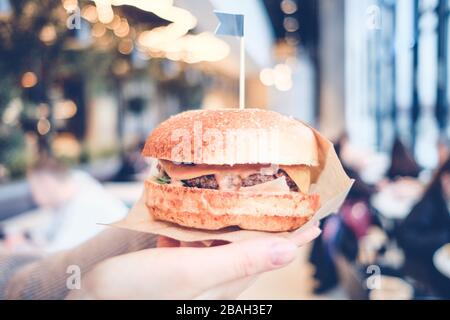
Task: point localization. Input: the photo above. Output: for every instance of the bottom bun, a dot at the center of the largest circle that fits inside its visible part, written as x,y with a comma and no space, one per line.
214,222
213,209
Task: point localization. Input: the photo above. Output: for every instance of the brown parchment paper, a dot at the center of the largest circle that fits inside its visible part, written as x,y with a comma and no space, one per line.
331,183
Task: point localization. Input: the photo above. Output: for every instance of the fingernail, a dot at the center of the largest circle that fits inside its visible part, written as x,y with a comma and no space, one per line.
282,253
314,233
317,223
317,231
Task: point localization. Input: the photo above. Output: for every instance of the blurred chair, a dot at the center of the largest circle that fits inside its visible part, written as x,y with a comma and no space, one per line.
15,198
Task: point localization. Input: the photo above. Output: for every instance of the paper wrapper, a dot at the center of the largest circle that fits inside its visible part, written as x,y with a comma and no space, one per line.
331,183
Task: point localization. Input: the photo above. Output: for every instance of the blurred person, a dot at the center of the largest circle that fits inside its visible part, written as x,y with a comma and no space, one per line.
341,234
77,202
124,264
342,231
360,189
427,228
402,162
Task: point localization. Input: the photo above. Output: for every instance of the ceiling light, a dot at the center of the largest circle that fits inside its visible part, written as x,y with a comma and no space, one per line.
290,24
267,77
288,6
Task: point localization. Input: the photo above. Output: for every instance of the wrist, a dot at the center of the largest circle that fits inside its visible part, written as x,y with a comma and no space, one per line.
88,289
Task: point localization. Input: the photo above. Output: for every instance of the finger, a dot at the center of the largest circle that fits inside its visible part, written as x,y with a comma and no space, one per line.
217,265
302,237
165,242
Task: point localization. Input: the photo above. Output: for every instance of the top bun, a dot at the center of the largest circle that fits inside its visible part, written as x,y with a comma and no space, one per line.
233,136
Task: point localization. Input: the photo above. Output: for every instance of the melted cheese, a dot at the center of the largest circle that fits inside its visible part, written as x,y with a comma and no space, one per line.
301,175
185,172
278,185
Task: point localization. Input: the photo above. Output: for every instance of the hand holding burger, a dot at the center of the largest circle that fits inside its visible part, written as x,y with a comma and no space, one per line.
214,169
221,272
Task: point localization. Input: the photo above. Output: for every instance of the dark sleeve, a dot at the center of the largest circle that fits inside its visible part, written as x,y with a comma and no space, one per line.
425,229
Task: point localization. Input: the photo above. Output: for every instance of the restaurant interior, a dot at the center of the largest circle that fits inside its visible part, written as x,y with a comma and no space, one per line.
83,83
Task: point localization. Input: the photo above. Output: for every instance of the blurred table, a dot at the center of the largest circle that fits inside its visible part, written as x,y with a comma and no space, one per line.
392,288
396,200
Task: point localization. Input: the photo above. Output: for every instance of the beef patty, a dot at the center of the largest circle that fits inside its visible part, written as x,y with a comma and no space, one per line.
203,182
210,182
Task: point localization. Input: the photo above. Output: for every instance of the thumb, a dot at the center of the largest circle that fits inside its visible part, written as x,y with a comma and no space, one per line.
242,259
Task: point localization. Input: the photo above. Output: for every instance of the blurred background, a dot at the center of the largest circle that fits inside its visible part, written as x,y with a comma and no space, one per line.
84,82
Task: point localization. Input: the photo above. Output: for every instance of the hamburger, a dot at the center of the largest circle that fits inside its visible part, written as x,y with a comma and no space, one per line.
250,168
